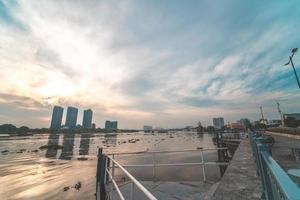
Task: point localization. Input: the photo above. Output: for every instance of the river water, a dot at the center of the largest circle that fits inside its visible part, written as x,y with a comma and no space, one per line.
26,172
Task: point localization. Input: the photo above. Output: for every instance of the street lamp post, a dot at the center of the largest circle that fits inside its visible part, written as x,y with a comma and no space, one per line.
291,61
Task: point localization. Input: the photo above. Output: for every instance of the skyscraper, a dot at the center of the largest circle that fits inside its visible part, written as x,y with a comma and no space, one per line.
56,117
111,125
87,118
218,122
114,125
71,118
107,124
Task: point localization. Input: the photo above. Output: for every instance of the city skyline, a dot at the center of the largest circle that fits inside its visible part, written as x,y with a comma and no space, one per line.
71,117
145,62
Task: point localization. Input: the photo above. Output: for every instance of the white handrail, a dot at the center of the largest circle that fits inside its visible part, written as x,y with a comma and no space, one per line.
179,151
136,182
115,185
174,164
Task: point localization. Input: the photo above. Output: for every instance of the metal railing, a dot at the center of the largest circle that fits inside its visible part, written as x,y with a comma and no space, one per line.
107,165
154,164
134,181
104,175
276,183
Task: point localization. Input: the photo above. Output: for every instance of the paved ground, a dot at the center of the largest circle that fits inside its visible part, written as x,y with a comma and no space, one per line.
240,180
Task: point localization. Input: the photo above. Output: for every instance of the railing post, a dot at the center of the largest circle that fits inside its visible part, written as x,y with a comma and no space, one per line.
98,174
101,176
113,167
153,170
112,174
203,166
107,167
132,191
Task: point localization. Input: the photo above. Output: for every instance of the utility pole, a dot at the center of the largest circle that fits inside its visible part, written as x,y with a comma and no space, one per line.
294,50
280,112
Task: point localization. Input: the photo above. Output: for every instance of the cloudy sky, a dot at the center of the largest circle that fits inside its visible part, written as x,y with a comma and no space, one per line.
163,63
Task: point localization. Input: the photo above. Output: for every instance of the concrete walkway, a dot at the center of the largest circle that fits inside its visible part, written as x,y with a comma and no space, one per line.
240,180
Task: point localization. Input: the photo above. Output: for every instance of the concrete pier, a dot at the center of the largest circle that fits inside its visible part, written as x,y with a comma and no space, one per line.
240,180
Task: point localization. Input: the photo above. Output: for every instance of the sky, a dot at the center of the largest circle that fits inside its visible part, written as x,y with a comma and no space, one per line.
163,63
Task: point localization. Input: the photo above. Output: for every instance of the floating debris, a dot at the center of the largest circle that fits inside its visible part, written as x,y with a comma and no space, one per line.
35,151
52,146
77,186
21,151
82,158
133,140
66,188
5,151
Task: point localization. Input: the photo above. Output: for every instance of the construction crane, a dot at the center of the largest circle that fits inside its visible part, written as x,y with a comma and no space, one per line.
280,112
263,120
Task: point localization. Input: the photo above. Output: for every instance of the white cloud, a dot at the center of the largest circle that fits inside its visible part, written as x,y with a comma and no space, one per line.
137,60
227,66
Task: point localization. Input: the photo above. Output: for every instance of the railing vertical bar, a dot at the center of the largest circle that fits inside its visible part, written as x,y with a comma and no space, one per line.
113,167
203,166
113,175
153,161
116,187
100,178
107,167
132,191
136,182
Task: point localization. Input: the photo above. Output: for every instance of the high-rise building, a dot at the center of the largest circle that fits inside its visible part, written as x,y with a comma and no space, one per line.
71,118
87,118
111,125
107,124
56,117
218,122
114,125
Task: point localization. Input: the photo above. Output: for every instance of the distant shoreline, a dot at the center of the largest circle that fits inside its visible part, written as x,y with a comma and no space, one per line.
26,131
63,133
